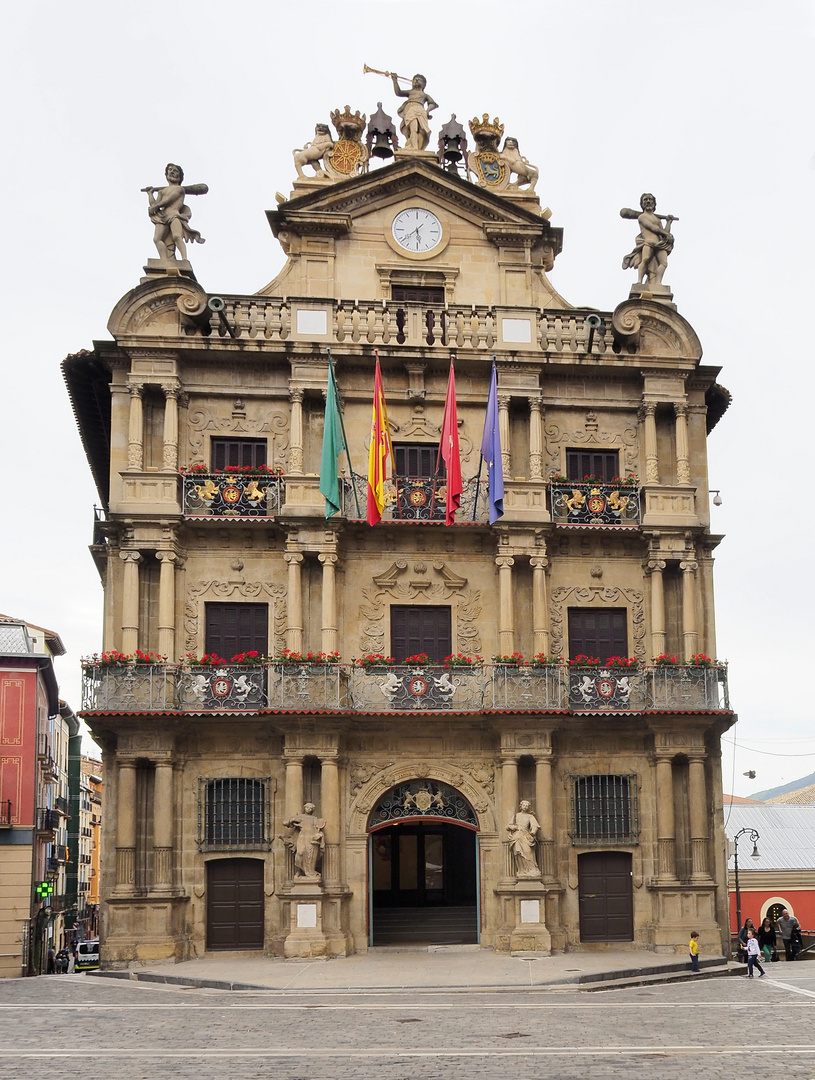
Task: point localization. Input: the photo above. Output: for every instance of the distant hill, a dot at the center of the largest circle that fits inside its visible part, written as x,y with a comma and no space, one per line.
793,785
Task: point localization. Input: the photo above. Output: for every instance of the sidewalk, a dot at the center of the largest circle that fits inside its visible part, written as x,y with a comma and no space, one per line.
449,967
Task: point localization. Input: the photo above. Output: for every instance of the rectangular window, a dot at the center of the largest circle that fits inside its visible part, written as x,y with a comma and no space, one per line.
238,453
604,810
421,630
599,632
233,812
604,464
236,628
417,460
417,294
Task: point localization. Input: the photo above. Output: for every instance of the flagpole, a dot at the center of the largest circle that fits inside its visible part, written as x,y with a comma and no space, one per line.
480,463
342,429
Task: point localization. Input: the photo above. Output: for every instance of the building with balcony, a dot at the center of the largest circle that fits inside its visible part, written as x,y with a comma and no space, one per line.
262,794
34,804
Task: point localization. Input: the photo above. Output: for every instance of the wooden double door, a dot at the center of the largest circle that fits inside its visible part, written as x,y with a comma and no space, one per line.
606,896
235,909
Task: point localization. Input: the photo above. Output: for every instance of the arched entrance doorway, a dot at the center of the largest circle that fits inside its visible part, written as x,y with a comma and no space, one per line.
423,866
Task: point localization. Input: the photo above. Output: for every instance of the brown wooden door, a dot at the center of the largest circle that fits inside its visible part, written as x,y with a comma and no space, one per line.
606,896
235,904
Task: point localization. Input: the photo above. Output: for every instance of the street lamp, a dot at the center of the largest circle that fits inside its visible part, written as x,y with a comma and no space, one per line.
754,836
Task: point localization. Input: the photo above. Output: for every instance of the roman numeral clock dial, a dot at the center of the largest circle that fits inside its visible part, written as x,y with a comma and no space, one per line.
416,230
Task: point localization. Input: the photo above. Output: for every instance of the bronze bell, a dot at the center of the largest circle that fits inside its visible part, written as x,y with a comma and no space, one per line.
382,146
452,149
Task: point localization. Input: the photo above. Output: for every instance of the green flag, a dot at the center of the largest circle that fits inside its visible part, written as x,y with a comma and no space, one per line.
333,446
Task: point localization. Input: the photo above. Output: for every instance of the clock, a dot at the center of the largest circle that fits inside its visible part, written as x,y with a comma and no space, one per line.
416,230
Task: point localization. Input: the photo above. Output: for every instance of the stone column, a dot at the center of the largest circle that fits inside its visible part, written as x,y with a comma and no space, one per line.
296,439
330,810
509,796
682,461
649,417
658,637
166,604
130,601
535,439
697,796
170,457
540,608
666,827
294,607
294,784
690,636
135,429
544,805
126,829
329,628
506,619
163,820
503,429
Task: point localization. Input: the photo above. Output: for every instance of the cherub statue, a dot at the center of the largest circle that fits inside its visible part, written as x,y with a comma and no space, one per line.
515,161
170,216
415,112
313,152
654,243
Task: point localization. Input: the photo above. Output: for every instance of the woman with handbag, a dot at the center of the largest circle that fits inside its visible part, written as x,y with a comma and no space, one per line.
767,938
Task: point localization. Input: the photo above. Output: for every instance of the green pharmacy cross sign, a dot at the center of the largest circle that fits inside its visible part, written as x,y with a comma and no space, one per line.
44,888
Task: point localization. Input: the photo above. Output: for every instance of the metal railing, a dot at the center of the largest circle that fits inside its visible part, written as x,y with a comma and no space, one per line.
413,498
299,687
236,495
579,503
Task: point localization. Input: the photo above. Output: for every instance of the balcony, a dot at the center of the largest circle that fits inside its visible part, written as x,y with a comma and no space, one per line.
5,814
579,503
63,806
47,823
232,495
415,498
301,687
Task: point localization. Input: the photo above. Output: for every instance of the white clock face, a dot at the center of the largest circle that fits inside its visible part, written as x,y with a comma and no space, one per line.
416,229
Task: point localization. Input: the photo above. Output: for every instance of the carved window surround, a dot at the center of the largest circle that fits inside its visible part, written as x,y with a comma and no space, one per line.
562,597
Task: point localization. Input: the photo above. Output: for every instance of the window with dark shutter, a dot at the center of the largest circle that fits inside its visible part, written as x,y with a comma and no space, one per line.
417,294
604,464
238,453
417,460
599,632
236,628
421,630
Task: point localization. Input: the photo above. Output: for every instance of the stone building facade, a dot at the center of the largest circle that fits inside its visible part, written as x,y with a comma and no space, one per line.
297,807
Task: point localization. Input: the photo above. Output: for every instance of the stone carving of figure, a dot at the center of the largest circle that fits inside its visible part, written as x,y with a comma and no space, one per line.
308,842
170,216
654,243
515,161
523,831
313,152
415,112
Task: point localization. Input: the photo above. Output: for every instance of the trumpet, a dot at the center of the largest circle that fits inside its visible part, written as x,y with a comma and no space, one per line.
388,74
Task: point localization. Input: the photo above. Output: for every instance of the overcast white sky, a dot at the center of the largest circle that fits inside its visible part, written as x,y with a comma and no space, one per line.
708,105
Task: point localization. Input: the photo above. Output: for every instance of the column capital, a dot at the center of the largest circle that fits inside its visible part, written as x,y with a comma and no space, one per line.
296,393
509,757
130,556
166,556
699,756
680,408
664,754
504,400
544,757
688,566
293,755
535,401
136,390
648,408
503,561
538,562
293,557
654,566
170,390
328,558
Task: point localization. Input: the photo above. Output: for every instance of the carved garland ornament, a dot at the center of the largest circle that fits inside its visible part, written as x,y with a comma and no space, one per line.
447,586
594,595
202,422
421,770
246,589
591,435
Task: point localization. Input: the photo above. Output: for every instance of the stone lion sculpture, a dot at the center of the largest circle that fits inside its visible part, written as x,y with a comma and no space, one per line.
515,161
314,152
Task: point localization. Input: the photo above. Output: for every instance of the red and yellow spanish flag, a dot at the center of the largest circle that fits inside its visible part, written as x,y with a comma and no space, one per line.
379,450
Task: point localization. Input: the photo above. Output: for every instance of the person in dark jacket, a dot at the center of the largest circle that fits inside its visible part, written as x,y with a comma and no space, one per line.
743,935
767,937
786,924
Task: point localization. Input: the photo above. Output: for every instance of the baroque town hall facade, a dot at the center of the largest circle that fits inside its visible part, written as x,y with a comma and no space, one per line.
301,806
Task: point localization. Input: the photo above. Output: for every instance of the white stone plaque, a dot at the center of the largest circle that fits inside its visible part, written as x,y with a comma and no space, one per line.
312,322
307,915
518,330
530,911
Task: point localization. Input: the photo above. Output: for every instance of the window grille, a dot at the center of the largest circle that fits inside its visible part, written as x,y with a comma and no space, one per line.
234,812
604,810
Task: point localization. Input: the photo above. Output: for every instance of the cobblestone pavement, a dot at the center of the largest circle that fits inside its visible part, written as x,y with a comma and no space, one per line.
729,1028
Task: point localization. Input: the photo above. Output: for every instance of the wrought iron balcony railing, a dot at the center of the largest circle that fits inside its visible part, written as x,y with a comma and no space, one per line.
47,821
240,495
584,503
5,814
301,687
415,498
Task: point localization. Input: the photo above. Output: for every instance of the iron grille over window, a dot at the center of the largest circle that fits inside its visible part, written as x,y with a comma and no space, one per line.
233,812
604,810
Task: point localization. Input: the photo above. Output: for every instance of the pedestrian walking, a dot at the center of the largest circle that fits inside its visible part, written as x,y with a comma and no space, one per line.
50,961
786,924
767,938
753,953
693,950
748,925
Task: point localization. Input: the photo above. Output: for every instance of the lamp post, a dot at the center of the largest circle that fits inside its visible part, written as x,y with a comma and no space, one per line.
754,836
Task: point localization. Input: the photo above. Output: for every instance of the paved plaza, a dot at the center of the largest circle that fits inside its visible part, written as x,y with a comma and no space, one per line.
69,1026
